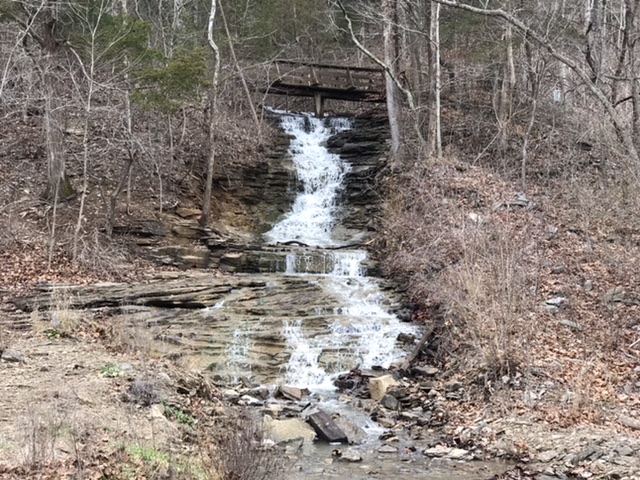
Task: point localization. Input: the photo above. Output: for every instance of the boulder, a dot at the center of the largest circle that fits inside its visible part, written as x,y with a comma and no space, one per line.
355,434
285,431
378,386
326,428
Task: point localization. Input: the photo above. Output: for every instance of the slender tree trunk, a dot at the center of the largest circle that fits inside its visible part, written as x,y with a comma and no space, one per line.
435,130
389,35
506,92
85,158
245,87
206,204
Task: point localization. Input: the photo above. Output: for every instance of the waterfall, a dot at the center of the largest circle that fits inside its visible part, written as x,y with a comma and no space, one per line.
359,332
321,174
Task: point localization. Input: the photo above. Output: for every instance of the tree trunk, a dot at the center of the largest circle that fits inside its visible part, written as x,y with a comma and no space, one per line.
389,35
435,134
206,203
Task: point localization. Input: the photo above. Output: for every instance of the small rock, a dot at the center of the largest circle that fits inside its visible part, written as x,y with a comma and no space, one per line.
397,391
390,402
588,286
615,295
591,452
387,449
291,393
425,371
571,325
386,422
559,302
437,451
11,356
164,377
157,411
406,338
260,392
249,401
273,409
625,451
457,454
547,456
349,455
230,395
453,386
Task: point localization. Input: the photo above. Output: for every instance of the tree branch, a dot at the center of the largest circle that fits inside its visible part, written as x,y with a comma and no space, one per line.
619,124
372,56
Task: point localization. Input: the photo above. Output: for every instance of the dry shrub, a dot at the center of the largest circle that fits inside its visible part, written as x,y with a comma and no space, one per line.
470,265
101,255
238,453
41,429
487,298
132,337
63,319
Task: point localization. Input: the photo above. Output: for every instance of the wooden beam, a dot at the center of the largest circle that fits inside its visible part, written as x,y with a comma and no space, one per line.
319,104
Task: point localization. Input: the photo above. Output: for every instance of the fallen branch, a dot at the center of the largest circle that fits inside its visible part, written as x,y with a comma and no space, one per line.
406,365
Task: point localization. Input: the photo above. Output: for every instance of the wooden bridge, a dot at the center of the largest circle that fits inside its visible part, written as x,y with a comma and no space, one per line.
356,84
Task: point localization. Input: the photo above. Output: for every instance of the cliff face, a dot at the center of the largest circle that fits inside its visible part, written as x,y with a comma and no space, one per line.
250,197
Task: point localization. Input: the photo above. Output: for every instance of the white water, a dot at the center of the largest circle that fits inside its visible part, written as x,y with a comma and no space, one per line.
321,174
360,325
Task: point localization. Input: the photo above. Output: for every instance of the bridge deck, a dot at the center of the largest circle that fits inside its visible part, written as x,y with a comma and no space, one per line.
357,84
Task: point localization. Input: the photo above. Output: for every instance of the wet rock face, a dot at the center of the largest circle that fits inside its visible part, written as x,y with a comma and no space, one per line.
251,198
363,147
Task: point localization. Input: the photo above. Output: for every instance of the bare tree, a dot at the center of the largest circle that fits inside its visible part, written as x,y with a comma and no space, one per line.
206,203
622,127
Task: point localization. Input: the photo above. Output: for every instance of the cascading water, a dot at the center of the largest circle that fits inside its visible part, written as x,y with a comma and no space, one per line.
321,174
359,332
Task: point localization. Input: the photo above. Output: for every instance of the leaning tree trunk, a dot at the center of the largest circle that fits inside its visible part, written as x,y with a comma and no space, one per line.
389,35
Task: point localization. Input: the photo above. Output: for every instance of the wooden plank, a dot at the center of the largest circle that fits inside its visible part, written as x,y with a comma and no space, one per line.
323,65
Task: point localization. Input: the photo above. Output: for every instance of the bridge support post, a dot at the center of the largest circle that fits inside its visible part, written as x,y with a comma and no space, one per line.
319,104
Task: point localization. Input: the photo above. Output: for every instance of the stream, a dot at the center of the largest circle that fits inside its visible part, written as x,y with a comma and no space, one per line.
356,330
311,311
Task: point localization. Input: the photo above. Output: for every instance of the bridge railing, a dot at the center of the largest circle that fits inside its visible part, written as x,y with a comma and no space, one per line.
298,74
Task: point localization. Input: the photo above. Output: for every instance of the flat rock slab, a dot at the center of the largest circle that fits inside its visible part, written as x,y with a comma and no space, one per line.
326,428
282,431
292,393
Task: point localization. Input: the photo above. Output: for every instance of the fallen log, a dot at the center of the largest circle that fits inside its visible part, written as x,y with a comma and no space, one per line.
406,365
